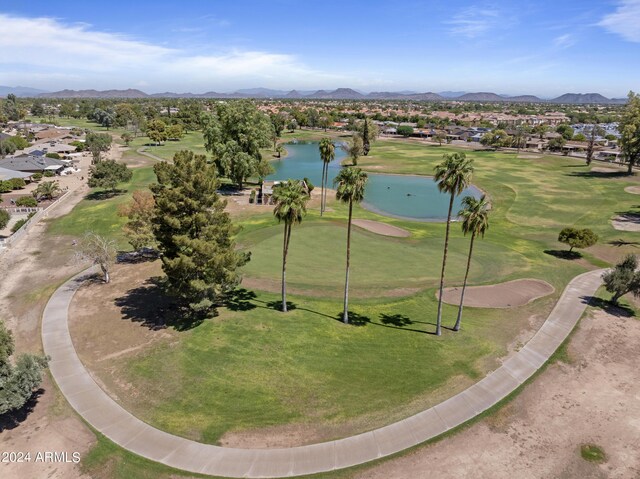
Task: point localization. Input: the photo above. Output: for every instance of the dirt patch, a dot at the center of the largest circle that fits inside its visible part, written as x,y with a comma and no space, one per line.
502,295
627,222
382,228
634,190
529,157
32,268
539,433
123,308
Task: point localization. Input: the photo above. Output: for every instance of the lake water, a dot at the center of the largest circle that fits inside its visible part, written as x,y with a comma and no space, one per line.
404,196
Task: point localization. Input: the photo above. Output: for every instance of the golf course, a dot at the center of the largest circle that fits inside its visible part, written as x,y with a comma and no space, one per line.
252,376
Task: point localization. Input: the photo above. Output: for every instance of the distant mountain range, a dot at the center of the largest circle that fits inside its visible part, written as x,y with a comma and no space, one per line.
21,91
338,94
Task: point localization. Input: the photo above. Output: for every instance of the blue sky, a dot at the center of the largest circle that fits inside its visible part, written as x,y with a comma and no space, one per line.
545,47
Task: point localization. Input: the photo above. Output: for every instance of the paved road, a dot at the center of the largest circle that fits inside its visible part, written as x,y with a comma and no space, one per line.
108,417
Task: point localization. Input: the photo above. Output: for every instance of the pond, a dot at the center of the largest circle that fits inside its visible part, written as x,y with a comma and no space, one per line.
403,196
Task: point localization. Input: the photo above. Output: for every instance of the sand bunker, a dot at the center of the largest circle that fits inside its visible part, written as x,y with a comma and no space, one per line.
382,228
627,222
501,295
634,190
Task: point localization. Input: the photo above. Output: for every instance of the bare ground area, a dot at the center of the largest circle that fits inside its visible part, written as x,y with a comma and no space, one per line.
594,399
31,270
30,275
127,318
501,295
382,228
634,190
627,222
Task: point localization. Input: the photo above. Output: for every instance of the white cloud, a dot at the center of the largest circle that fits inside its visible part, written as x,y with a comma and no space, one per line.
564,41
625,21
45,46
473,22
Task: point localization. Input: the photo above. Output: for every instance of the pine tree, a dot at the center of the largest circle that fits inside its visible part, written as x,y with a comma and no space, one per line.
194,233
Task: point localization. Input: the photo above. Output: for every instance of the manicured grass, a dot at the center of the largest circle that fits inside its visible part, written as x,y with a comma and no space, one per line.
253,366
592,453
101,215
399,263
191,141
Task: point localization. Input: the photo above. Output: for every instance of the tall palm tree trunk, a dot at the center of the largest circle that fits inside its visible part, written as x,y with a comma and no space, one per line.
345,311
464,284
322,189
326,180
444,263
285,250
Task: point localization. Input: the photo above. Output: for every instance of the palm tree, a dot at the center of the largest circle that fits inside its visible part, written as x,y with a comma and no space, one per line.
327,155
47,190
453,175
291,205
475,220
350,183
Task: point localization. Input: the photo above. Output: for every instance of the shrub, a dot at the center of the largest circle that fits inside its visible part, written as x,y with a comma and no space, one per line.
4,218
252,196
592,453
17,183
80,145
6,186
405,130
36,176
48,174
55,156
27,201
19,224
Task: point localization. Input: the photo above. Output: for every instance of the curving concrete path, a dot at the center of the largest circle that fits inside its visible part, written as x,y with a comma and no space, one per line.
108,417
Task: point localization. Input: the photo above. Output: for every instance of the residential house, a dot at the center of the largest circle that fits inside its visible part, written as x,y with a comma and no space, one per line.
32,164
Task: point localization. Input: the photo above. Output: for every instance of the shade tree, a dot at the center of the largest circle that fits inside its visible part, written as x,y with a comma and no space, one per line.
234,134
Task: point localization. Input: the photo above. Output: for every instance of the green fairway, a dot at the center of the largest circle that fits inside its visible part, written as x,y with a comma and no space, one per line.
399,263
191,141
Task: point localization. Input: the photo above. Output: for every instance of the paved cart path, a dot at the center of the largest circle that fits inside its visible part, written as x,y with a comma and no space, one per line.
108,417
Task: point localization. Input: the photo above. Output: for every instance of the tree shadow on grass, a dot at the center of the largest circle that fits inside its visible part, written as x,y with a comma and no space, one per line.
598,174
620,242
244,300
240,300
397,320
619,311
12,419
104,194
563,254
151,306
393,321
